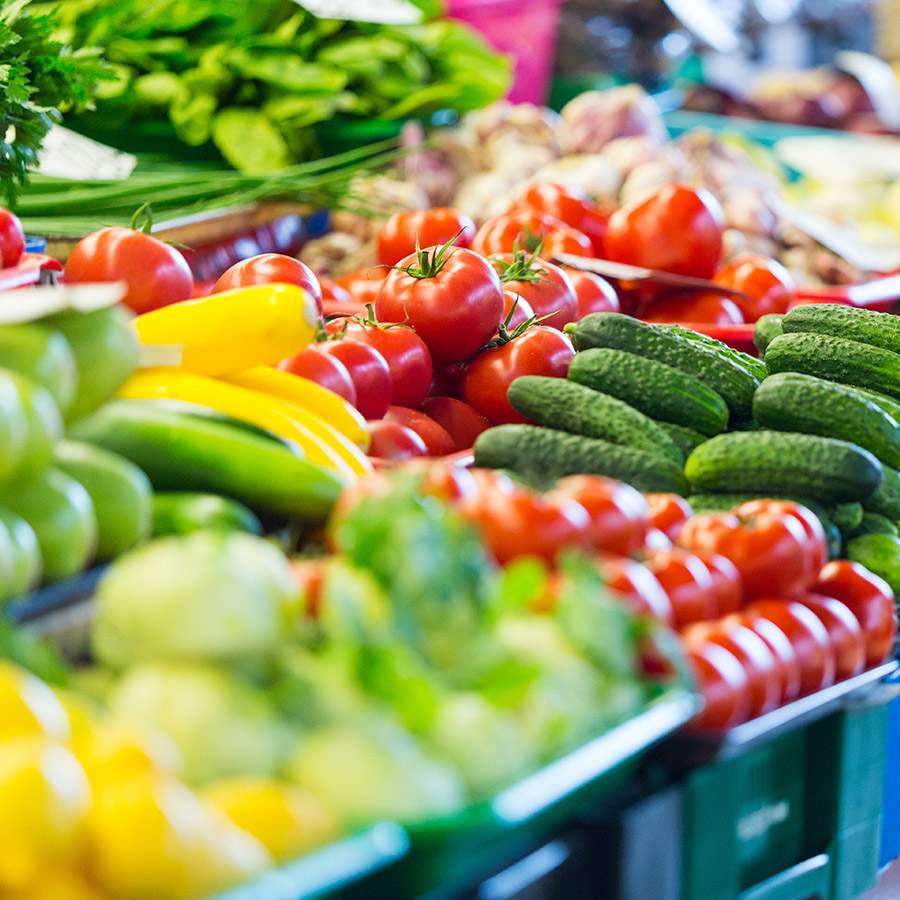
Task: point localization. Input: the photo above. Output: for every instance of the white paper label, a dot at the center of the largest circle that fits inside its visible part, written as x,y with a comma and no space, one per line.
66,154
386,12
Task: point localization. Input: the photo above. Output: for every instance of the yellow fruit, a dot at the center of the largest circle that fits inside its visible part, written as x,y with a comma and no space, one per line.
117,751
58,884
288,820
80,715
153,839
44,800
28,707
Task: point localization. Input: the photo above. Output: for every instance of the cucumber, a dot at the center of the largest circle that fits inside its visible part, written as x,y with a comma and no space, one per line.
26,569
833,538
554,454
888,405
43,425
44,356
791,401
567,406
879,553
846,516
181,513
657,390
877,329
620,332
775,462
752,364
886,500
767,328
183,452
685,438
836,359
120,491
872,523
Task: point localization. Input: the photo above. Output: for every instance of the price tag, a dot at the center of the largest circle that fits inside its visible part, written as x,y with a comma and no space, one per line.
386,12
66,154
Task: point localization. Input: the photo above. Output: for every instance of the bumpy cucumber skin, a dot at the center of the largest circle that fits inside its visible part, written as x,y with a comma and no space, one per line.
877,329
886,500
791,401
567,406
846,516
765,331
836,359
888,405
544,452
620,332
685,438
774,462
656,389
879,553
873,523
753,365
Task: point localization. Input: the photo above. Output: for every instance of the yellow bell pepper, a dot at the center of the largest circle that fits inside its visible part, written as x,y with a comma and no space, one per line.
234,330
328,405
321,443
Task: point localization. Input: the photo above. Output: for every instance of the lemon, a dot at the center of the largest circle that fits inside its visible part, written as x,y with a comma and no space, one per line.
287,820
28,707
58,884
44,799
114,751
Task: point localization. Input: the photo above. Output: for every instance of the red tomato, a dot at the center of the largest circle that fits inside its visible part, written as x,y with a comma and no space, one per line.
769,550
516,310
12,239
783,650
727,590
155,274
368,371
462,423
618,513
656,540
817,543
523,523
448,482
844,632
436,439
324,369
668,513
766,282
546,288
530,231
393,441
869,599
638,586
809,638
271,268
592,293
404,231
332,292
570,207
540,350
452,298
694,306
364,285
687,581
677,229
764,676
446,380
724,685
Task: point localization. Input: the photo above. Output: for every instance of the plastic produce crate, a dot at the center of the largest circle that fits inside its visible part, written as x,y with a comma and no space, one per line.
890,829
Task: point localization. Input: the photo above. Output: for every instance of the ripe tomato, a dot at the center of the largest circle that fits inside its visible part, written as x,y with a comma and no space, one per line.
668,513
687,582
783,650
452,298
727,590
764,676
769,550
656,540
809,638
156,274
516,310
694,306
533,232
446,380
448,482
523,523
540,350
869,599
677,229
271,268
844,632
324,369
461,422
404,231
12,239
592,293
364,285
368,371
565,204
766,282
638,586
436,439
724,685
545,287
618,513
393,441
816,542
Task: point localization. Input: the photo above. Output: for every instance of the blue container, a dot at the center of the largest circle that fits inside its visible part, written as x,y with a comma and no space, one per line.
890,822
35,244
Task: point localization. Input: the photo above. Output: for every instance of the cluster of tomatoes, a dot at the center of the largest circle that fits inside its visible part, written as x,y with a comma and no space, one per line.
763,617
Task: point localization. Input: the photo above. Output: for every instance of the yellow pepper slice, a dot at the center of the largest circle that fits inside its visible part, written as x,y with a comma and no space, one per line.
234,330
328,405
